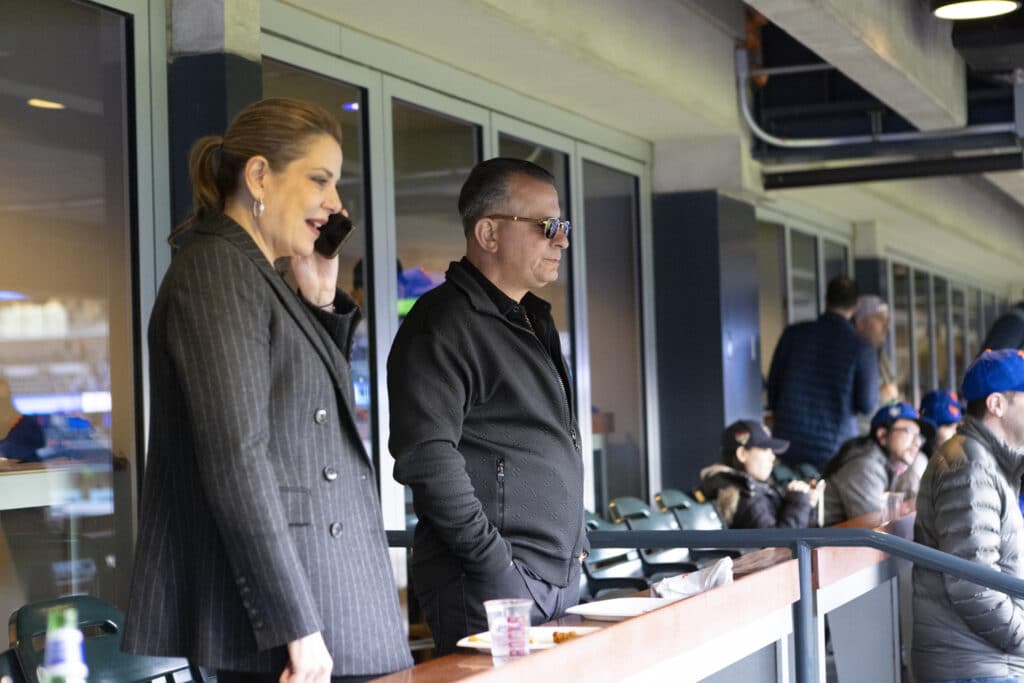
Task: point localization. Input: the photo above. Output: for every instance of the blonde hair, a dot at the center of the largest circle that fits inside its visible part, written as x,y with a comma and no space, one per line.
277,128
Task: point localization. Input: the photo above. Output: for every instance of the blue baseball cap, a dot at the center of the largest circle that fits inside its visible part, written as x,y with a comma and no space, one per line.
941,407
993,372
888,414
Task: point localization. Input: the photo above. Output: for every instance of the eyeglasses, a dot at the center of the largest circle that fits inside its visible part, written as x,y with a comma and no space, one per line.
915,436
550,226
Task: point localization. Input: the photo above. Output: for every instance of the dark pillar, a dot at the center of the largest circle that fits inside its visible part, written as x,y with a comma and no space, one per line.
706,304
872,276
206,91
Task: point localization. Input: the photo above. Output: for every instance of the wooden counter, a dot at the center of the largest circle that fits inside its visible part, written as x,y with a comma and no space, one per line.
865,594
686,640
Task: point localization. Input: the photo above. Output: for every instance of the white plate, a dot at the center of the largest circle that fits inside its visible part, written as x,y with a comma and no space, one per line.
618,609
541,637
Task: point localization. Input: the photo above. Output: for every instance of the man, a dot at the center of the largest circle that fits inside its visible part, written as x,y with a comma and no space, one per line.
871,322
944,410
869,466
482,416
967,506
1007,332
822,375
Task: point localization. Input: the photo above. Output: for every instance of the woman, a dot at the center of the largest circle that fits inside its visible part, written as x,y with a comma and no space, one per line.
742,489
261,550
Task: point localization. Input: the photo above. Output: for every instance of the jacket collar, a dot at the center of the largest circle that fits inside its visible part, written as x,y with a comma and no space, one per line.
459,275
835,317
1011,461
229,230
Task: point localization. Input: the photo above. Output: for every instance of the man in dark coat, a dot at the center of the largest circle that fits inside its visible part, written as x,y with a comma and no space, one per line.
1007,332
482,417
822,375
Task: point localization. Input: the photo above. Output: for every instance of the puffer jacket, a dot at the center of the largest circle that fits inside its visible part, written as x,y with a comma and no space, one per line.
858,477
746,503
967,506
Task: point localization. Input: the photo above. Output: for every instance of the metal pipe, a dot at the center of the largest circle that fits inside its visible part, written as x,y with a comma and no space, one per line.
743,75
788,70
920,555
805,628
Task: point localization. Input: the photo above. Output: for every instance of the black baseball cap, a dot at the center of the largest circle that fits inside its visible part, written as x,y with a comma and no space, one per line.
751,434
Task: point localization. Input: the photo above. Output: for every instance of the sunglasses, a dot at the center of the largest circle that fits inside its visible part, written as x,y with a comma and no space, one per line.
550,226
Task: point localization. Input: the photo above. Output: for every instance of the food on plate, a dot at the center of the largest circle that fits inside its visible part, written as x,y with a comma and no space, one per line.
562,636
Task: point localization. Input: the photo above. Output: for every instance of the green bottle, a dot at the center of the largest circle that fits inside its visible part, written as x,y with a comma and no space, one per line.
64,657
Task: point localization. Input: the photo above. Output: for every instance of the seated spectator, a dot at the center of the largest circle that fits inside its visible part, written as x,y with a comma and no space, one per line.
964,631
742,489
868,466
944,411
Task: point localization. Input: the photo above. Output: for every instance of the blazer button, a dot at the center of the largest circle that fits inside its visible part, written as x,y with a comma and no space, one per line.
335,529
330,474
320,416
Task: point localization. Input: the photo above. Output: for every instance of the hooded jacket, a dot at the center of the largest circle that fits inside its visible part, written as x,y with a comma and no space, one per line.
967,506
746,503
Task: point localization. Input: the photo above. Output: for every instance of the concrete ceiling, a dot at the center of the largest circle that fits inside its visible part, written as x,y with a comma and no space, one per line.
894,49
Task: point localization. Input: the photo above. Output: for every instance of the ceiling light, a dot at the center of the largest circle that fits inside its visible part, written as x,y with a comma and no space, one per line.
44,104
973,9
350,106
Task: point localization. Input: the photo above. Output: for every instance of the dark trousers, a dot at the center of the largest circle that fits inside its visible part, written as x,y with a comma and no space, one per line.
456,609
247,677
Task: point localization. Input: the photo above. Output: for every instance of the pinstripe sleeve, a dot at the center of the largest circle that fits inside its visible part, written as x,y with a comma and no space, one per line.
219,341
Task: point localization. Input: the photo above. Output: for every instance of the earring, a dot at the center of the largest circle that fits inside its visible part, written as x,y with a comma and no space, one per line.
257,207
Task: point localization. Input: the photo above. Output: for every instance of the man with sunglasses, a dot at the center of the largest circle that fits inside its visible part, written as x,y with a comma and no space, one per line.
868,466
483,424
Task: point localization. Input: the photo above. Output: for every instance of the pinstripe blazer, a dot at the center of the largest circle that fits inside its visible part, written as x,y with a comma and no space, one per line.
259,520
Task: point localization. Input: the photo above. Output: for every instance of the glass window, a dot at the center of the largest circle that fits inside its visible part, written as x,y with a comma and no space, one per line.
433,155
613,309
942,336
803,276
901,328
922,338
836,259
959,331
67,352
771,291
346,102
990,308
558,293
975,328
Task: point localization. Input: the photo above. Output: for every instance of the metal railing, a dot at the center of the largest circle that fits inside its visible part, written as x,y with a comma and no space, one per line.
800,542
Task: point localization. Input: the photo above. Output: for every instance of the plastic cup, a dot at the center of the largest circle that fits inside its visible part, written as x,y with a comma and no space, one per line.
892,506
508,622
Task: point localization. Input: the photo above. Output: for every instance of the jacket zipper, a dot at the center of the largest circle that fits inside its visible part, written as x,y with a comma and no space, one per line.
501,494
567,409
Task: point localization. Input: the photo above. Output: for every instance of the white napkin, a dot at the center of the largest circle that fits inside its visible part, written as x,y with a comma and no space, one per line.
685,585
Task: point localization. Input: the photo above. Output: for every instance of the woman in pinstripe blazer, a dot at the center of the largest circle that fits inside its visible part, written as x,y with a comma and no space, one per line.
261,549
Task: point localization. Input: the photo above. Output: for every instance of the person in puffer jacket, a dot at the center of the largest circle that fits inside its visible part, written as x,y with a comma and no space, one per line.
742,490
966,506
867,467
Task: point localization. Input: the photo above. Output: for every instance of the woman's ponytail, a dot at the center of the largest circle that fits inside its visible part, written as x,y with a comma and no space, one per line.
203,168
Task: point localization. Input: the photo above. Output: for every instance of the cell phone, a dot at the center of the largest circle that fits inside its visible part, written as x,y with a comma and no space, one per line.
333,235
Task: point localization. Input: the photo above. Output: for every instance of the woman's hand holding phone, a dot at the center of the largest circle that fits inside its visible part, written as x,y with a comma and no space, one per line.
317,274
